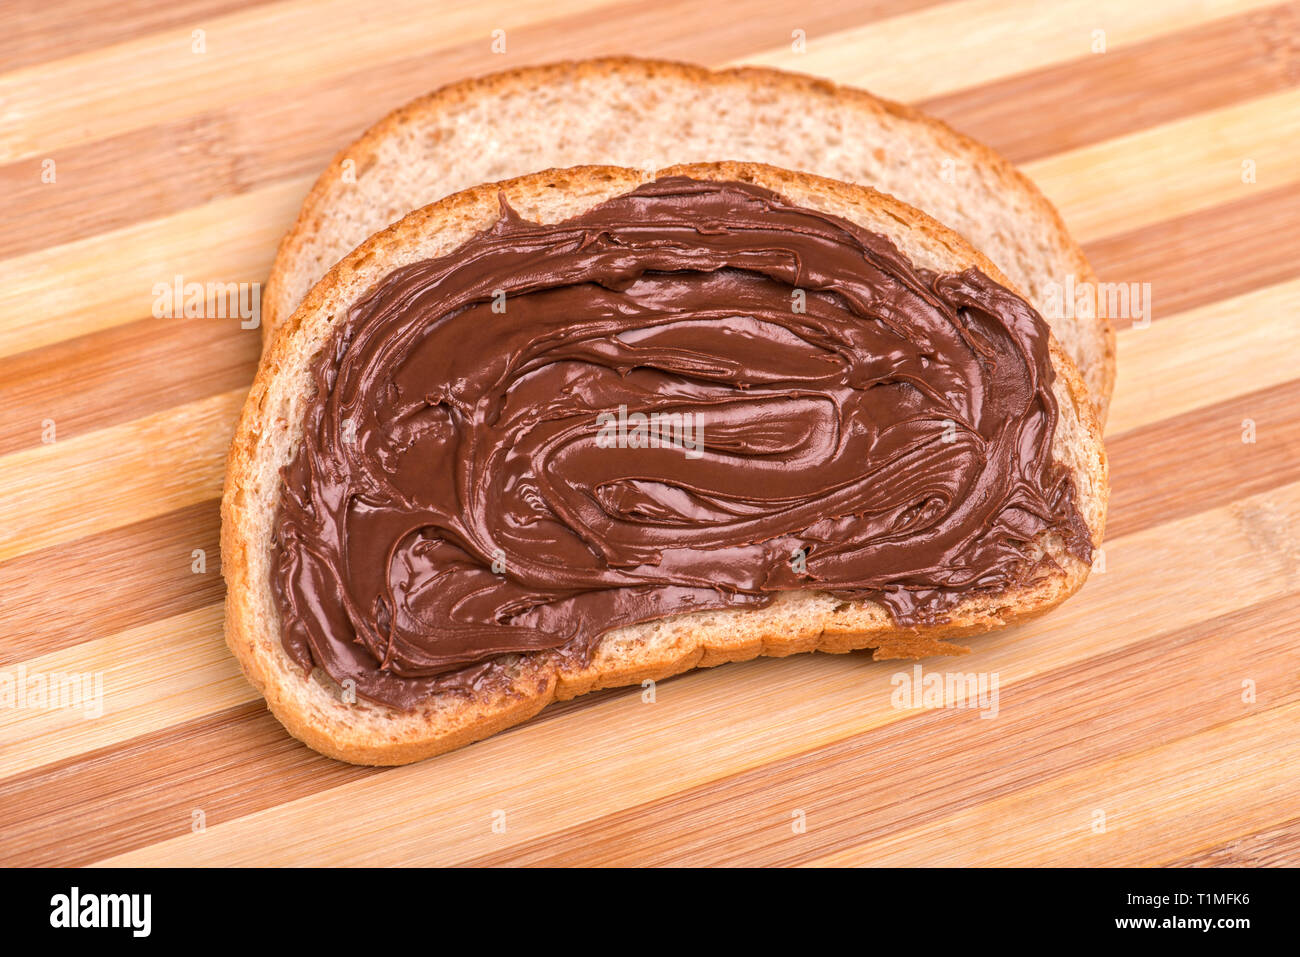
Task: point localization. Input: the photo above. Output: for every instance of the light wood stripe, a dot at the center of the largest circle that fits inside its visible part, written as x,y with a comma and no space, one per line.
1056,724
979,41
1224,784
1185,463
742,716
1172,75
1178,364
258,141
736,813
66,102
151,677
1226,251
1271,847
33,30
61,492
253,143
1176,168
142,353
107,280
223,764
246,55
99,592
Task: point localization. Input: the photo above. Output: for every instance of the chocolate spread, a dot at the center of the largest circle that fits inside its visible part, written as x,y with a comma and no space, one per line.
693,396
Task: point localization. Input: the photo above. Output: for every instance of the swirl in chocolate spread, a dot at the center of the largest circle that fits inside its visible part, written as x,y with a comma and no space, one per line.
865,428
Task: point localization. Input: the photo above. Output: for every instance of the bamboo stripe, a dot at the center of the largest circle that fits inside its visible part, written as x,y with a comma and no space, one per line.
150,354
61,492
257,142
151,677
741,716
256,53
1228,250
117,579
1270,847
107,280
204,763
223,764
1218,784
1204,458
55,105
948,759
1215,352
32,31
1201,68
980,41
1175,168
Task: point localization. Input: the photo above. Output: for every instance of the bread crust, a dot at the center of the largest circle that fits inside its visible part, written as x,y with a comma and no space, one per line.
312,707
1091,342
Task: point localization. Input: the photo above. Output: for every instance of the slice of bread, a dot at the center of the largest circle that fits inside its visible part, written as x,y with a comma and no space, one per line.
647,114
271,427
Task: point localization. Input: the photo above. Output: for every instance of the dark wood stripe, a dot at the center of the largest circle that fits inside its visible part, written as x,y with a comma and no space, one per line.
34,31
120,374
1272,847
1197,461
229,151
700,32
1100,96
147,790
130,795
945,760
142,791
1206,256
119,579
90,194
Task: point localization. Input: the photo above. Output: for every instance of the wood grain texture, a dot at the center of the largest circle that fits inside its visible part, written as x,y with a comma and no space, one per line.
1162,700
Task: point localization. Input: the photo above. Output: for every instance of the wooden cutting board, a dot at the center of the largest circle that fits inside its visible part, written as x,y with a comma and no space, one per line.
1150,720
